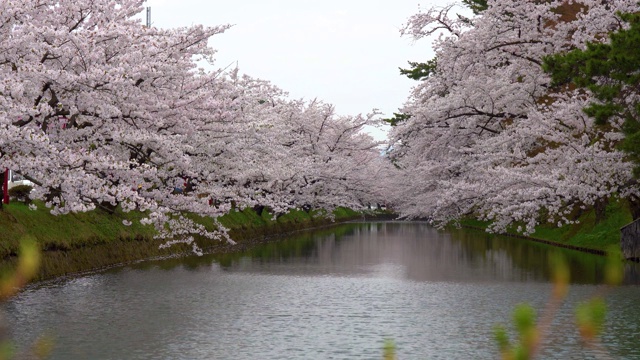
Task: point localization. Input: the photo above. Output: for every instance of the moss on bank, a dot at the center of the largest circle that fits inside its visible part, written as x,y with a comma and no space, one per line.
74,243
585,235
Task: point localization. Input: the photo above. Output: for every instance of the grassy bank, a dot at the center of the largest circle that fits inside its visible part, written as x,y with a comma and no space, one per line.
585,235
86,241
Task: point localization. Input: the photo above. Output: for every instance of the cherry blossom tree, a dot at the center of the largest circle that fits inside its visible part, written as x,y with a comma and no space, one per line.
294,153
100,111
97,108
485,134
610,72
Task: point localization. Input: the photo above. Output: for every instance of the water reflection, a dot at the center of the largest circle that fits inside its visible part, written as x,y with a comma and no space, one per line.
335,293
416,250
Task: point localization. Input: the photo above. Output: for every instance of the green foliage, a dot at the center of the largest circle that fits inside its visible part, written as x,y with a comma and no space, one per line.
524,318
614,270
389,350
11,281
502,338
419,71
477,6
20,192
25,270
7,350
590,316
397,118
612,73
561,275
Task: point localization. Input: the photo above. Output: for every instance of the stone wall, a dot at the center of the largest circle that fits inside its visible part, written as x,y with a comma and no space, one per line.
630,241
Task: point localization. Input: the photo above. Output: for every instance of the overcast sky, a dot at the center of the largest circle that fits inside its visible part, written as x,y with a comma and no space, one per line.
344,52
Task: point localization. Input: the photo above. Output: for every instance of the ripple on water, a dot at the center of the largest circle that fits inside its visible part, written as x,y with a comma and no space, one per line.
438,295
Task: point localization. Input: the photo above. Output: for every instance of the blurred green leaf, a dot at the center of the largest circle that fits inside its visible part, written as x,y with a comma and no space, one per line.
389,350
590,317
560,275
524,318
7,350
614,271
500,334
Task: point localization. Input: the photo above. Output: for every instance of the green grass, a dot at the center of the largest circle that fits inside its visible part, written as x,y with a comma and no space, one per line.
586,234
70,231
242,219
65,232
248,221
96,239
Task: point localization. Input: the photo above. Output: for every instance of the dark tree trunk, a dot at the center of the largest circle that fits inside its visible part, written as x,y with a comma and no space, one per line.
2,187
107,207
5,186
634,206
258,209
601,209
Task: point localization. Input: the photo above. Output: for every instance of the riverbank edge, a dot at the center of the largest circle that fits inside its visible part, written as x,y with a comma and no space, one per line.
543,241
246,228
586,233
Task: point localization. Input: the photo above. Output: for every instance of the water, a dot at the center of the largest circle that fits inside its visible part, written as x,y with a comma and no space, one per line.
333,294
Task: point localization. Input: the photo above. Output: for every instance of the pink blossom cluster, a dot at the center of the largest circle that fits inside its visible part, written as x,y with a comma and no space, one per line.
487,135
102,112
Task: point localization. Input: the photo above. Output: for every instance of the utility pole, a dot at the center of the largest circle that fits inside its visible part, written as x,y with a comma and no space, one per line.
5,187
148,16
